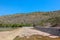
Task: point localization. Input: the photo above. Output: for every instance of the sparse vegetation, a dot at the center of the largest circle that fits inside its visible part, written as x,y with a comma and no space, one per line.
39,18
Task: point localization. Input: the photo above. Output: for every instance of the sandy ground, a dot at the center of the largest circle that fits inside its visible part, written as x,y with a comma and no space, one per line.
22,32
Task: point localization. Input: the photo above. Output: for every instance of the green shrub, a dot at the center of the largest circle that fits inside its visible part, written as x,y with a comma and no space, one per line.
42,22
14,25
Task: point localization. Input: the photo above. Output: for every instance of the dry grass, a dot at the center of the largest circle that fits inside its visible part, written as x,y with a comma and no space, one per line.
36,37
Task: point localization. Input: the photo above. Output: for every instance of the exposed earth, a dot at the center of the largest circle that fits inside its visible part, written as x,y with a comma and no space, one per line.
23,32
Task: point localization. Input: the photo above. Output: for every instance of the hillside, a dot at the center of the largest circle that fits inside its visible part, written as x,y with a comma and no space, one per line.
29,18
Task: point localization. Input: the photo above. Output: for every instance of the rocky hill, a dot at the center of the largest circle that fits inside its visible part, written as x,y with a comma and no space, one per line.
29,18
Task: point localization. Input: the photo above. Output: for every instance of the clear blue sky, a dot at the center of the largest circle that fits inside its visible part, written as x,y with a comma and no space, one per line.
21,6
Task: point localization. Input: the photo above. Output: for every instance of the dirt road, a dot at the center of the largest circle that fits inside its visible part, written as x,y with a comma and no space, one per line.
25,31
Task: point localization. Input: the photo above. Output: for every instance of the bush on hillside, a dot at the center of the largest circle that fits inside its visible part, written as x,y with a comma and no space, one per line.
53,21
14,25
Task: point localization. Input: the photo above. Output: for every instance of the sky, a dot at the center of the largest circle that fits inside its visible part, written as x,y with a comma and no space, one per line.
8,7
